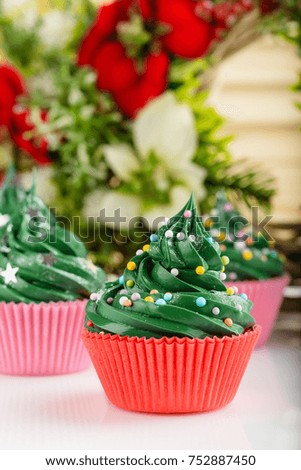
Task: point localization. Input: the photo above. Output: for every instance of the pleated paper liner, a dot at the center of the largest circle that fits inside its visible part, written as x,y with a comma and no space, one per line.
42,339
170,375
267,297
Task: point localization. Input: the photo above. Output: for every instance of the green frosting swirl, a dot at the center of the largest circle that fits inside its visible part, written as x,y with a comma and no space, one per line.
250,258
172,288
40,261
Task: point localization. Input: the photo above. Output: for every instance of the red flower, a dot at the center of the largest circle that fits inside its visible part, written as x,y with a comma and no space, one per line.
116,72
188,34
36,148
174,27
144,87
226,14
17,122
267,6
11,86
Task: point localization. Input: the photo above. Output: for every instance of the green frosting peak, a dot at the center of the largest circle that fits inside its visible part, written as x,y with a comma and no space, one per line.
40,261
251,255
172,287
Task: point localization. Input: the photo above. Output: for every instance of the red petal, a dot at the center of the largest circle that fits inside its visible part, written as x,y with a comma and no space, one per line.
146,87
267,6
12,76
11,86
115,70
147,8
103,29
190,35
38,152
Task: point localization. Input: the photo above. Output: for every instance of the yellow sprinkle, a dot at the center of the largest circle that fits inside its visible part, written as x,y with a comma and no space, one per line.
228,322
149,299
154,291
247,255
131,266
223,269
221,237
199,270
230,291
208,223
130,283
145,248
225,260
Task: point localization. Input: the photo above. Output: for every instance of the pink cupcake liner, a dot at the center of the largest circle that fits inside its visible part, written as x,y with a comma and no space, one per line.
42,339
170,375
267,297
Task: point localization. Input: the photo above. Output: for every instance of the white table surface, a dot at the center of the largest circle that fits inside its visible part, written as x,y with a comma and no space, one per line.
72,412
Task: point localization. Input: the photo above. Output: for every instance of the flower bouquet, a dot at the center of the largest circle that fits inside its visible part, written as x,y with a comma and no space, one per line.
110,98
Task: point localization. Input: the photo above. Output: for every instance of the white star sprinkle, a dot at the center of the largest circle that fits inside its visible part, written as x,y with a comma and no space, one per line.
9,274
4,219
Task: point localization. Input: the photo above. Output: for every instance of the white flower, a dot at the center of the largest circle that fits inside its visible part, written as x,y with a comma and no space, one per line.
56,28
112,208
45,187
23,12
166,128
8,7
43,83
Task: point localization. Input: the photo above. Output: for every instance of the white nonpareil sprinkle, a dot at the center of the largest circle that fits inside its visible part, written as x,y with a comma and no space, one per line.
180,236
122,300
139,252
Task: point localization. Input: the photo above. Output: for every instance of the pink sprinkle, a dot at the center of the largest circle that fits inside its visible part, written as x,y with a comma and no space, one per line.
135,296
187,214
228,207
110,300
94,296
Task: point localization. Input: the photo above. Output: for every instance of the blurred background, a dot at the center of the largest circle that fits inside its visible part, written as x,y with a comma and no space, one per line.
240,89
252,89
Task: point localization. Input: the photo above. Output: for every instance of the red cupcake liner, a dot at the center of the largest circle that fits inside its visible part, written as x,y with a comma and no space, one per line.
42,339
170,375
267,297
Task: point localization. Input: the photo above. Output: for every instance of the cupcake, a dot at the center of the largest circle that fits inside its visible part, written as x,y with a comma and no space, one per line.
167,336
254,266
45,281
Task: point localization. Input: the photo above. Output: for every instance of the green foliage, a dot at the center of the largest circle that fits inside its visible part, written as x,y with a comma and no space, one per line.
80,121
144,183
21,45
